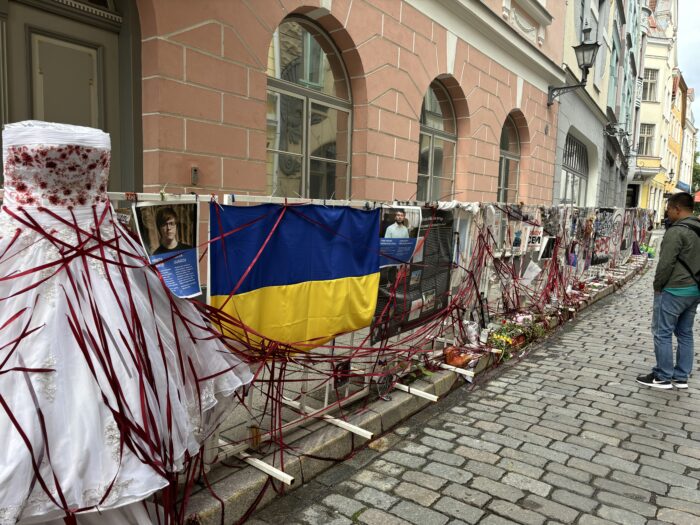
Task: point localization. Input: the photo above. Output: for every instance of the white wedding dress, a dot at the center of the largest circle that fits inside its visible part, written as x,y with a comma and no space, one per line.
108,383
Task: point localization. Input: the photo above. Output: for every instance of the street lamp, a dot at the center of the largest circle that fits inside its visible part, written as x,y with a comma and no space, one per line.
670,176
585,56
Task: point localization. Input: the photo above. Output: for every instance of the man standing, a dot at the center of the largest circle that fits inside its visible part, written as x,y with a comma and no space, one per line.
398,230
676,296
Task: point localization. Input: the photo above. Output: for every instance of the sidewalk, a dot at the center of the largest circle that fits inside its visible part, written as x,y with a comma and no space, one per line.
565,436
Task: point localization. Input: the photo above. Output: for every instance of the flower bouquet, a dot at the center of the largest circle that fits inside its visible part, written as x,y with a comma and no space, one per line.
508,336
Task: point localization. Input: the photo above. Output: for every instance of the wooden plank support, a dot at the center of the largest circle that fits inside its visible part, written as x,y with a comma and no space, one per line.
266,468
340,423
416,392
456,370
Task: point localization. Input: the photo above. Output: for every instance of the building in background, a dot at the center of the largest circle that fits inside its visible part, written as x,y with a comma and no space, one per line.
382,100
689,146
640,32
369,99
679,98
655,157
595,153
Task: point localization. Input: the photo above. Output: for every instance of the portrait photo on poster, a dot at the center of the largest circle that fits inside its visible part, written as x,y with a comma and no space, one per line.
169,232
398,233
400,222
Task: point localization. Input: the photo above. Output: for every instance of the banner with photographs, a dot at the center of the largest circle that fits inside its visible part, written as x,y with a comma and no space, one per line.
170,235
412,287
607,230
627,237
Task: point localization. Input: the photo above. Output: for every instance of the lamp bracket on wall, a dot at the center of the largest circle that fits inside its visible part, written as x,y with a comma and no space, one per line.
585,56
554,92
616,129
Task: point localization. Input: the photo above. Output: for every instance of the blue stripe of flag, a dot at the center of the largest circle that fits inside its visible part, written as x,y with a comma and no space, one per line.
311,243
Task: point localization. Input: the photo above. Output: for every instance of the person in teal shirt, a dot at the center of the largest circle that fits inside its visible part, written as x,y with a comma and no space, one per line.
676,296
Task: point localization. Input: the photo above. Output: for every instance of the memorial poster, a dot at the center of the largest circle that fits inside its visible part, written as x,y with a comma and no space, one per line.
416,288
169,233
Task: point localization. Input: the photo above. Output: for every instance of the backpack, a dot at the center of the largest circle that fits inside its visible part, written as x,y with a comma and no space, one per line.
695,276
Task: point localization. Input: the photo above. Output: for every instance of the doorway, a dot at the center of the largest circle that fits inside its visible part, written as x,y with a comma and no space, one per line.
76,63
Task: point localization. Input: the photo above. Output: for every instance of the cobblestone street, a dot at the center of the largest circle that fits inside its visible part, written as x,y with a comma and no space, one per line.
564,436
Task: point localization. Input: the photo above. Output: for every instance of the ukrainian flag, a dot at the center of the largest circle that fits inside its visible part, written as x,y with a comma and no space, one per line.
295,274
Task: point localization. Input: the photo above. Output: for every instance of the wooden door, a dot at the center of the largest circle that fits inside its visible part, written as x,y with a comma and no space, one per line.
63,65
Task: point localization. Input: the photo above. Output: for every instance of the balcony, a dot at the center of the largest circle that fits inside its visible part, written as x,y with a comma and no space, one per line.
647,168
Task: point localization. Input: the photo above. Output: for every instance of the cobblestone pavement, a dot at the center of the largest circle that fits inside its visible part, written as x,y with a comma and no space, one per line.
564,436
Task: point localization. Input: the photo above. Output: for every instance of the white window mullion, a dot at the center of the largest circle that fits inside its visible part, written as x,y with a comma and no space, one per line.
306,165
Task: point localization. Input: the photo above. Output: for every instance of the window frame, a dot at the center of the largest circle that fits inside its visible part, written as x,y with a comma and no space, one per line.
502,190
604,192
432,134
574,184
647,140
612,84
581,18
648,84
575,172
309,97
308,40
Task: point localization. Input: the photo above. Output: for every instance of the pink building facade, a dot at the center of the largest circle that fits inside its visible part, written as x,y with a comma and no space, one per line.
206,103
379,100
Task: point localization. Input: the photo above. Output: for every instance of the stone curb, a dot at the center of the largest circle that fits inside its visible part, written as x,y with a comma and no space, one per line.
240,489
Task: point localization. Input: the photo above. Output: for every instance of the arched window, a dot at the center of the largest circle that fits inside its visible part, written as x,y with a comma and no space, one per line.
438,143
509,162
308,114
574,174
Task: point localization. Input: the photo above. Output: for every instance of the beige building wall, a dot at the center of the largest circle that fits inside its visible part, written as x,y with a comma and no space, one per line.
658,113
598,79
675,133
689,147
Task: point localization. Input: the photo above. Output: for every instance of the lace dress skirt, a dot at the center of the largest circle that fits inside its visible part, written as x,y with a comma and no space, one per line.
108,383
